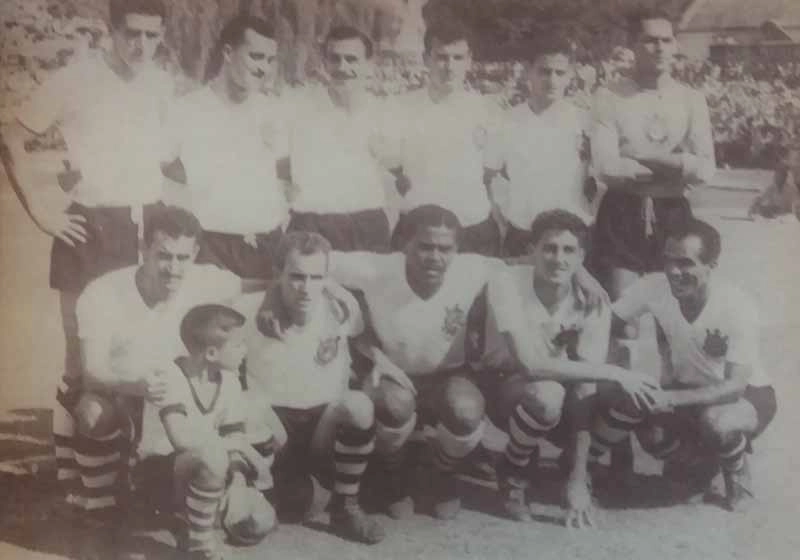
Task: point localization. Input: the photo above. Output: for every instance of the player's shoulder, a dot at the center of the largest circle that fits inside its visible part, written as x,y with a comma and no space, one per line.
110,284
735,300
248,304
654,282
209,277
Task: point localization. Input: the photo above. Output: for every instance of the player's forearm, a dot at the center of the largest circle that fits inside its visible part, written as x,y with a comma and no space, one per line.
107,383
580,457
727,391
568,371
12,147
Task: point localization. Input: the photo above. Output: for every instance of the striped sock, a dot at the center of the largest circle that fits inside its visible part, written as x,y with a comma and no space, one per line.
100,463
613,427
732,456
201,514
524,431
450,449
351,453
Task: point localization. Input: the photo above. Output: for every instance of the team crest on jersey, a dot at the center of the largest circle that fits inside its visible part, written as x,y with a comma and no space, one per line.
327,350
568,338
455,319
716,344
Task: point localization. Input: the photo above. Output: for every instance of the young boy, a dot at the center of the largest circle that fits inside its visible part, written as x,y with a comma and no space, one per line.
194,438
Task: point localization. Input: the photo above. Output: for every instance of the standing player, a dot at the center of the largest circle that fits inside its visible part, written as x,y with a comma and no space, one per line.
651,142
716,392
128,326
298,362
193,456
335,152
229,138
551,175
108,109
543,367
422,304
443,134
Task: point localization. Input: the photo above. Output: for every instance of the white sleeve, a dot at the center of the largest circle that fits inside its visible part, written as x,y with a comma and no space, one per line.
357,269
505,303
494,156
354,325
95,312
744,335
699,164
48,104
173,130
226,286
635,299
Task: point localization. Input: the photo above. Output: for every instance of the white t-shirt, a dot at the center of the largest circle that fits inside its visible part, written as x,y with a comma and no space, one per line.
674,119
333,165
139,339
542,156
726,330
442,147
223,415
419,336
515,308
111,127
229,154
300,367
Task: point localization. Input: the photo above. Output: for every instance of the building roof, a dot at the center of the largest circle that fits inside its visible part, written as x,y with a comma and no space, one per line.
714,15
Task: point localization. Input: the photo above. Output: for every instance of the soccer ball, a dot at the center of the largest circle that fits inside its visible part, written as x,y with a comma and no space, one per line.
247,517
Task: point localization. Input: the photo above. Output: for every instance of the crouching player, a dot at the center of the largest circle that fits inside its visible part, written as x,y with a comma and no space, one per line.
298,368
554,344
716,395
193,439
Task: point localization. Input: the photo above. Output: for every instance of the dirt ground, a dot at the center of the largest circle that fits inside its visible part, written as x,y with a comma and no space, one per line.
761,257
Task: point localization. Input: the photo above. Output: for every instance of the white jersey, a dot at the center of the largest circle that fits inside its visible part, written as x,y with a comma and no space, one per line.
112,129
514,308
229,153
299,367
332,162
542,157
221,416
726,331
420,336
442,150
139,339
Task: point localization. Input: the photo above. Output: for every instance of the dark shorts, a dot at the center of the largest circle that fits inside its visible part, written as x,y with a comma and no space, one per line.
112,243
367,230
619,239
295,457
517,242
154,482
230,251
482,238
431,393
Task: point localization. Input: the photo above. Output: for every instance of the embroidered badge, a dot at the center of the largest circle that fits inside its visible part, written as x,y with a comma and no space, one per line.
716,344
656,129
454,320
327,350
568,338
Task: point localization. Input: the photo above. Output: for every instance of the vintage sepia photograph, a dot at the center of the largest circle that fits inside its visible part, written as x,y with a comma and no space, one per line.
399,279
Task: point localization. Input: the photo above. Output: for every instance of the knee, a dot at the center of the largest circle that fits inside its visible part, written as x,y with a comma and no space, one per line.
394,405
464,408
95,416
652,438
358,409
719,425
545,399
211,464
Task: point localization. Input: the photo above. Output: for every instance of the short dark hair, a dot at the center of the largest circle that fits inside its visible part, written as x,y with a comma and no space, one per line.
172,221
705,232
535,48
637,16
304,242
345,33
118,9
427,215
560,220
446,32
232,35
208,325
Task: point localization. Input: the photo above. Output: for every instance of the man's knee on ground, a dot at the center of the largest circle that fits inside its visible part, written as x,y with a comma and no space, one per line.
394,405
653,438
358,409
463,408
722,424
545,400
210,465
96,416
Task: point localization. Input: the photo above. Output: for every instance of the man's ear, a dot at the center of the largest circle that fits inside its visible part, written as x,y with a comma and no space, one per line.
227,50
196,249
212,354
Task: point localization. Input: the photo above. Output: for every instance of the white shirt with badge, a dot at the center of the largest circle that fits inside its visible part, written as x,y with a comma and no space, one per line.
300,366
420,336
140,339
111,127
542,157
516,309
726,330
332,159
229,152
442,150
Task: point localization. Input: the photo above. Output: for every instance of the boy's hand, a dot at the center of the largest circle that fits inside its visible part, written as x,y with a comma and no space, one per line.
155,387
